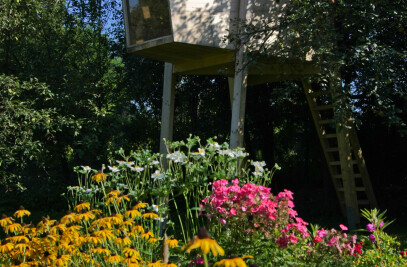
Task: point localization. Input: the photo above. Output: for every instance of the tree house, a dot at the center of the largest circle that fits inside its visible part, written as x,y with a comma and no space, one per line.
189,35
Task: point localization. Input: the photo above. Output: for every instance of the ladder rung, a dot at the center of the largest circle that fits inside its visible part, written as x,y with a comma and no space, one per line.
339,176
323,107
333,163
332,149
333,135
359,189
326,121
319,93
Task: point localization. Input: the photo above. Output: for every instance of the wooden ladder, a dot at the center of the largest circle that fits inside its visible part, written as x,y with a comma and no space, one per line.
342,152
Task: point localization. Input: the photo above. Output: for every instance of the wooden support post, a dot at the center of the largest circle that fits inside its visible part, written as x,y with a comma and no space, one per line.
167,115
238,101
167,121
231,83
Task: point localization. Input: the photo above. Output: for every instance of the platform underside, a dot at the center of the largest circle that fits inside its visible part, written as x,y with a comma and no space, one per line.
189,59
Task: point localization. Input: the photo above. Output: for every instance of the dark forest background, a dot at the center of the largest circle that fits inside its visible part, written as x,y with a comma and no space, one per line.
70,95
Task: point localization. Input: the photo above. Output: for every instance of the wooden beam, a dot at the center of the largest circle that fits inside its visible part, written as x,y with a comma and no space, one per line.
167,113
201,63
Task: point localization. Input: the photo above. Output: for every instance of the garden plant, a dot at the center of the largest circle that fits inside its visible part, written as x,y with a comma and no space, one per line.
200,205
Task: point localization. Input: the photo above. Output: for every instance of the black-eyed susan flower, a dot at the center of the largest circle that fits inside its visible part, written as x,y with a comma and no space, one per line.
150,215
18,238
138,229
153,240
122,240
130,261
147,234
172,242
99,177
101,222
21,246
205,243
131,252
6,246
14,228
62,260
169,264
58,227
4,221
93,240
104,234
132,213
68,218
83,206
140,205
155,264
115,218
100,250
21,212
123,197
48,258
85,216
234,261
114,258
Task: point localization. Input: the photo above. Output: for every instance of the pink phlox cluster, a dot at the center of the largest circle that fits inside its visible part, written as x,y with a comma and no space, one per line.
257,208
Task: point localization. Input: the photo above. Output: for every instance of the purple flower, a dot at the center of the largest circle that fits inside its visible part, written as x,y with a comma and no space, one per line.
381,224
372,238
370,227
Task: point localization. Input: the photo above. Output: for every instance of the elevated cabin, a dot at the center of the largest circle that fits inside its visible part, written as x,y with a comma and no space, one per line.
191,34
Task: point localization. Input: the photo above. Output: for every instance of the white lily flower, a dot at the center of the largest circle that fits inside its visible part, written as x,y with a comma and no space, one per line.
215,145
129,163
227,152
121,162
86,168
137,169
157,175
257,173
240,154
259,164
113,169
155,162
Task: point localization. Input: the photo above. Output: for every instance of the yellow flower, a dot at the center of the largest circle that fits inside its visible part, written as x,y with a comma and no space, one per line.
123,197
4,221
140,205
21,246
147,235
130,261
132,213
68,218
114,258
21,212
172,242
48,258
83,206
115,218
93,240
99,177
203,241
233,261
155,264
123,240
138,229
14,227
153,240
62,260
170,264
100,250
86,215
6,246
150,215
18,238
104,234
131,252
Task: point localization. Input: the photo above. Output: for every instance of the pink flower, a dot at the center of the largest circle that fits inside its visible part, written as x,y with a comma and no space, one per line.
321,233
332,241
293,239
235,181
343,227
381,224
222,221
317,239
232,211
370,227
282,241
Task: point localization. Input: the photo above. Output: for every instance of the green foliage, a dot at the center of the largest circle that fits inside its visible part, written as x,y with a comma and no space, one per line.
28,124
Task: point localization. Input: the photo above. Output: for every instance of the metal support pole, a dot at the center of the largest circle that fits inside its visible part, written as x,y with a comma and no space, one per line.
167,115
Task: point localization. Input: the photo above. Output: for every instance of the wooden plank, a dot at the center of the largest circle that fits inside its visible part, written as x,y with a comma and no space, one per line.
199,63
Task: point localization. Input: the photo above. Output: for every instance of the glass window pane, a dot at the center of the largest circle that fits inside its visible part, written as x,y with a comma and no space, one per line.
148,19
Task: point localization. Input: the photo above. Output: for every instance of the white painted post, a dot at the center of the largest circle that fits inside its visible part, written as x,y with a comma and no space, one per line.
238,101
167,115
239,89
